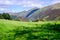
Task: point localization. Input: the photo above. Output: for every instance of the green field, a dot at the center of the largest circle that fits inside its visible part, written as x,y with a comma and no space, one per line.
16,30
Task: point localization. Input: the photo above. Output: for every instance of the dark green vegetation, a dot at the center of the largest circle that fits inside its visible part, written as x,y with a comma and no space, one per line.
14,30
5,16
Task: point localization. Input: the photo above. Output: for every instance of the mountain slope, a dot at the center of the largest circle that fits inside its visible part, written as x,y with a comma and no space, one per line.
48,13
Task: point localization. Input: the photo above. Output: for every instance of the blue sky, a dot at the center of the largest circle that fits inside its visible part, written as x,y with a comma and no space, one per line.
21,5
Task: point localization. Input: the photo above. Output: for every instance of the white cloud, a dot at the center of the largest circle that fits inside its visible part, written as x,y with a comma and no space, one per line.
24,3
2,9
8,2
31,4
55,1
7,10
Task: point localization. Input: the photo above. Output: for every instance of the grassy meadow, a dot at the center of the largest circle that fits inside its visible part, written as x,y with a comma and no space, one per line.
16,30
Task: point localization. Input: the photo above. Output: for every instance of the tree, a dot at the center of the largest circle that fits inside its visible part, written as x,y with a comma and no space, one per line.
1,17
6,16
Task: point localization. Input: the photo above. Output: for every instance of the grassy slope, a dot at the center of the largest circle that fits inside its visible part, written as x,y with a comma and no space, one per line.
14,30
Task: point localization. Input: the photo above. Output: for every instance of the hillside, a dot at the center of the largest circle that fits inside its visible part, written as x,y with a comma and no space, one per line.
15,30
18,15
48,13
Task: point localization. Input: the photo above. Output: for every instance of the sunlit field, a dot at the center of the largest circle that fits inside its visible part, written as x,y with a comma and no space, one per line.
16,30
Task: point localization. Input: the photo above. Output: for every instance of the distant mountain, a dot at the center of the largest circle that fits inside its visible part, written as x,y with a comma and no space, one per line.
18,15
48,13
23,15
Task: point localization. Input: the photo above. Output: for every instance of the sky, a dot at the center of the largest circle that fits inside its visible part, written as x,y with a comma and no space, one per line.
21,5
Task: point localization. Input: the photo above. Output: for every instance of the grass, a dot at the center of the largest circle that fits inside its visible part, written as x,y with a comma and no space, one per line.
16,30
